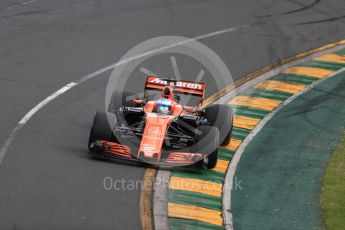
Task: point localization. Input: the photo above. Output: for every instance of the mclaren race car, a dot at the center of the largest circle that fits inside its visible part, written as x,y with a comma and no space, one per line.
165,130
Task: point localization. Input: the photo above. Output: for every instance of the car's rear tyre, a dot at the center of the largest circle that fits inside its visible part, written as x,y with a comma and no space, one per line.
100,130
207,143
119,99
221,117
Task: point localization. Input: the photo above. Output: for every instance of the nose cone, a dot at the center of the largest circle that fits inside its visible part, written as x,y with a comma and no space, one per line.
149,150
153,136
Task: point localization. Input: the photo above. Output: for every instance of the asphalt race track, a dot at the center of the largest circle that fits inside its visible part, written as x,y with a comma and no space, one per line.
47,180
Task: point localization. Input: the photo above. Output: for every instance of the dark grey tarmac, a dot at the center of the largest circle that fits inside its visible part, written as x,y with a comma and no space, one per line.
47,180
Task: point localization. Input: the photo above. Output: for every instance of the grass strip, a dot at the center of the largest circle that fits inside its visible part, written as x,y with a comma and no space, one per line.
333,191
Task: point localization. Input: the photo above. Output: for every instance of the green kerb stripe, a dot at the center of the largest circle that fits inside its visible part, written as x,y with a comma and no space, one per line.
225,154
196,199
184,224
239,134
206,175
295,79
250,112
341,52
269,94
324,65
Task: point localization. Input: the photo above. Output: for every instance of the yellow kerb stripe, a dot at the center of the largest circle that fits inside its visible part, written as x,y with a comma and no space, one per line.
245,122
233,145
195,213
221,166
308,71
256,102
195,185
332,58
280,86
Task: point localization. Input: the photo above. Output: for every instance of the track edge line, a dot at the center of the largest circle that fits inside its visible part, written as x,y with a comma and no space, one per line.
229,176
160,193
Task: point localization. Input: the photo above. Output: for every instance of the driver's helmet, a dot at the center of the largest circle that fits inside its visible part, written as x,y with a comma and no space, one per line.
164,106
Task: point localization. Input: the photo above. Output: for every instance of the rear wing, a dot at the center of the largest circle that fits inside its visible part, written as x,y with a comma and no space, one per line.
186,87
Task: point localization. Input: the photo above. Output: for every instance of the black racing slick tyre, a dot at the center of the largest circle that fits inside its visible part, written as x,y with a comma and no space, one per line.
100,129
221,116
119,99
207,143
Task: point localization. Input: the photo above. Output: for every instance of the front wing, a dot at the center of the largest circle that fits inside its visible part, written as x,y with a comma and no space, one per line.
173,159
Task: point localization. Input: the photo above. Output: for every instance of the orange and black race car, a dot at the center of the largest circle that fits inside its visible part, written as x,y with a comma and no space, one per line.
163,131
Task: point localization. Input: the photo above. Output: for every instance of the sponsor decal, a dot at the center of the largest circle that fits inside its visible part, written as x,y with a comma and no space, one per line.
148,148
180,84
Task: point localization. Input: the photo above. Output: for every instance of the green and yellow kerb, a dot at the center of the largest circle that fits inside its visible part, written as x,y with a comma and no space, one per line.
195,198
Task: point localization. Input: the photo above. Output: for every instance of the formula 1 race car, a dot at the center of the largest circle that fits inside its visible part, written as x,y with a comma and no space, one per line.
162,131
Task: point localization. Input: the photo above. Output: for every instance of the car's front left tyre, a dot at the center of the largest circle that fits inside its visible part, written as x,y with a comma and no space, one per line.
100,130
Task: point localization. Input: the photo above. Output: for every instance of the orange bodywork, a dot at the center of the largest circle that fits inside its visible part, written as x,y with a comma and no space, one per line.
154,134
112,147
173,159
157,125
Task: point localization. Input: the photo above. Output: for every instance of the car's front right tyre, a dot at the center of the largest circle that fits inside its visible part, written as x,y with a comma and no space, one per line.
207,143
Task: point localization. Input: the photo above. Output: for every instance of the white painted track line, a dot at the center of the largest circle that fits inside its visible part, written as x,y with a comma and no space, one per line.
70,85
19,4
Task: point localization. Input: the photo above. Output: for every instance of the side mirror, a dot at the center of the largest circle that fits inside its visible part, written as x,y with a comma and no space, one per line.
138,103
189,108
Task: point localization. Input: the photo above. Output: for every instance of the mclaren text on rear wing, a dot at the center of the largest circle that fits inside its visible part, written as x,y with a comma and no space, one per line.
186,87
